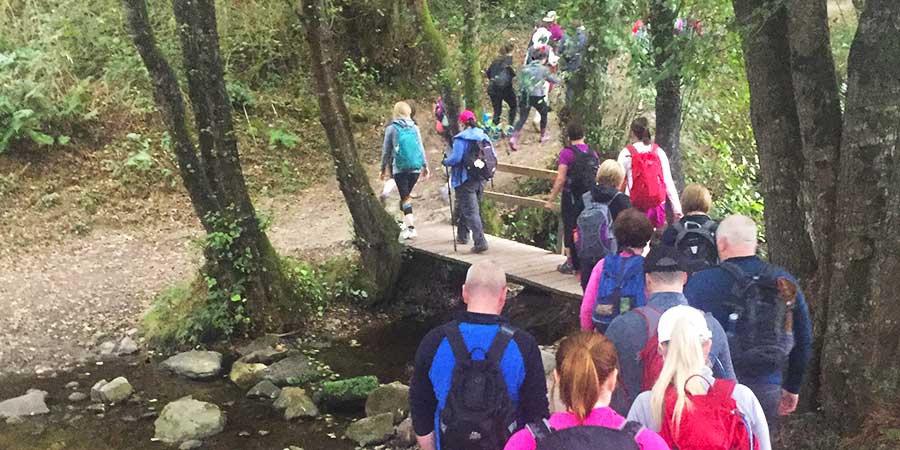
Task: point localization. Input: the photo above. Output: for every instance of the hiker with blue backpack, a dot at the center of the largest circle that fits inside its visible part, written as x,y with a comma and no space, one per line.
477,379
764,314
634,332
689,406
616,284
575,175
403,159
586,374
473,162
695,234
594,234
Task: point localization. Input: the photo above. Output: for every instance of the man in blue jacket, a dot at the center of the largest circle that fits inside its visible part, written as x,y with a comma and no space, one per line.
468,188
484,293
712,290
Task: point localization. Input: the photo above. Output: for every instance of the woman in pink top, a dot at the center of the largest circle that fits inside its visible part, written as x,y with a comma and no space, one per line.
632,230
586,374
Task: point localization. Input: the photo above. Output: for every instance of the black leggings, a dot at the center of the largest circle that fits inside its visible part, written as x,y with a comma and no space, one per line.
507,95
406,181
538,103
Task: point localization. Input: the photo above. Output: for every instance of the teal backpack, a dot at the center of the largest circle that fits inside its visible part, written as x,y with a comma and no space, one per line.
407,154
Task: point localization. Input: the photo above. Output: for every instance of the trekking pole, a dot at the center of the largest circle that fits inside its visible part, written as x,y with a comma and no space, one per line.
450,198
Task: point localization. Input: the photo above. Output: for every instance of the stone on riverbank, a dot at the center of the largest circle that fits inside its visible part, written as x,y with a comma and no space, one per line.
245,375
95,391
76,397
293,370
406,436
371,430
30,404
188,419
392,398
264,389
116,390
296,404
196,365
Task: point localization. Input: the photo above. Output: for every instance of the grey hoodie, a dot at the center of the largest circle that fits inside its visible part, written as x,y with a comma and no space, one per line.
390,144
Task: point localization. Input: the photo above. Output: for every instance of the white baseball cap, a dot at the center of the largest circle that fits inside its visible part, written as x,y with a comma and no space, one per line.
551,16
693,316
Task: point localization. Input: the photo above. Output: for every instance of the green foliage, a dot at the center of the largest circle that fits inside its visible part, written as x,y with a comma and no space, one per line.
147,162
316,286
351,388
240,95
32,110
279,137
357,79
171,316
532,226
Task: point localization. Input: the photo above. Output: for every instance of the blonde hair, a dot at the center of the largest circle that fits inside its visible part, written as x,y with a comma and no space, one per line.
402,110
696,197
684,358
610,174
584,362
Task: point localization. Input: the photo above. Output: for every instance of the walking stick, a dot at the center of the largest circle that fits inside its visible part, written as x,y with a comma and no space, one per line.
450,197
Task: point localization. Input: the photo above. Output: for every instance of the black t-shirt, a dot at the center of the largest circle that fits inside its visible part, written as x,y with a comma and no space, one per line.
603,194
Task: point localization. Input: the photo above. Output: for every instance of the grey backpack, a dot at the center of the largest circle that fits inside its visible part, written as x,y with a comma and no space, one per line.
595,229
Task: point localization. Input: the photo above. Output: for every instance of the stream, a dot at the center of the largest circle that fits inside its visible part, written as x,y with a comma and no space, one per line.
384,350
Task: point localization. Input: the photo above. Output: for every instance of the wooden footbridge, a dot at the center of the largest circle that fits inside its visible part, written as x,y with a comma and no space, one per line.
524,264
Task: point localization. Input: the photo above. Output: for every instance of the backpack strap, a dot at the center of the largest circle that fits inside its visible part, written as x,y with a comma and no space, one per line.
632,428
540,430
722,389
651,323
501,341
632,151
741,278
457,343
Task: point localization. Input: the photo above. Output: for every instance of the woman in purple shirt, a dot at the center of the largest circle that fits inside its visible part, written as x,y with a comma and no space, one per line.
575,176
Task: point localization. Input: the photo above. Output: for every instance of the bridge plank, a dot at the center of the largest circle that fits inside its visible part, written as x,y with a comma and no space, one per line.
524,264
527,171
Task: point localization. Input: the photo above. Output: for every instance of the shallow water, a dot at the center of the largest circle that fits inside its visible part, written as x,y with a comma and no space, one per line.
385,350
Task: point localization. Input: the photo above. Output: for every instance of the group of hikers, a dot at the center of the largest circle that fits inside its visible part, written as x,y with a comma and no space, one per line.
668,357
688,340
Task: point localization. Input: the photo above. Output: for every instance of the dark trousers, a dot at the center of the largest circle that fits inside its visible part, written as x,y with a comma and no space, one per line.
468,211
507,95
569,211
538,103
769,396
406,181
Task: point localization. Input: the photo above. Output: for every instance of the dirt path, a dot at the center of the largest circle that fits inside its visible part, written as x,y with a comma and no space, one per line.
64,299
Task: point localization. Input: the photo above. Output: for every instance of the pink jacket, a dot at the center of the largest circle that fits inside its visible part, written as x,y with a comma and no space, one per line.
604,417
590,294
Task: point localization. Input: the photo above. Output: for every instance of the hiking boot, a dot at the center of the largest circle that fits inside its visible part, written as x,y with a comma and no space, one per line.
411,233
565,268
461,241
514,141
545,137
479,248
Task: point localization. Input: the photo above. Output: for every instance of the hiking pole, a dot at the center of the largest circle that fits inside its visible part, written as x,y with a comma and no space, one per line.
450,198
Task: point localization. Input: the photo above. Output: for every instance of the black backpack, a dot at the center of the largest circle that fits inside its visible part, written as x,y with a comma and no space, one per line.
697,244
500,74
582,173
585,437
478,414
480,160
760,322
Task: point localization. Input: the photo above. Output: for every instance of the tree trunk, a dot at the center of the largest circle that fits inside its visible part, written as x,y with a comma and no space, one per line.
436,50
470,52
376,232
861,357
819,114
773,114
668,88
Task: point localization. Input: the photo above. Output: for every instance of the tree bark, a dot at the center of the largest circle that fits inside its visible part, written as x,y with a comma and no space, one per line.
861,357
668,87
470,52
437,52
246,268
773,114
376,232
819,113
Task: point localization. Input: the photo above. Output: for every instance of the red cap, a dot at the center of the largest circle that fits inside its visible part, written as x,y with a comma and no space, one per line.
466,115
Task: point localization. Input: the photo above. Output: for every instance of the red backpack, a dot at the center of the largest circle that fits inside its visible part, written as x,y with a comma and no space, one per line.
651,360
648,189
710,422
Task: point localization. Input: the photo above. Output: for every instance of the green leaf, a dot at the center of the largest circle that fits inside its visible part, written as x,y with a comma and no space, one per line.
63,140
236,297
41,138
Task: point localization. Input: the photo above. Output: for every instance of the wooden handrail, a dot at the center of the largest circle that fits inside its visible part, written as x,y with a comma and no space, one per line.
515,200
543,174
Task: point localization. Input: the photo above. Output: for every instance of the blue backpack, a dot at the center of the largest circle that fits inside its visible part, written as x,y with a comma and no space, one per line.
621,289
407,152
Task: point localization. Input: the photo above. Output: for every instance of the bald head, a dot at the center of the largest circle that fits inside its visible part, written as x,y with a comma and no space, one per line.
736,237
485,288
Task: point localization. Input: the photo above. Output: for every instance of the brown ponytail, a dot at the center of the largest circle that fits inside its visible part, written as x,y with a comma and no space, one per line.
585,360
640,127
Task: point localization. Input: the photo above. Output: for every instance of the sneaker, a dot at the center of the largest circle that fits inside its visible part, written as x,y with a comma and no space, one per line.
514,141
545,137
462,241
565,268
479,249
411,233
